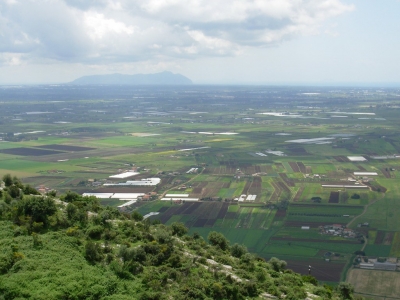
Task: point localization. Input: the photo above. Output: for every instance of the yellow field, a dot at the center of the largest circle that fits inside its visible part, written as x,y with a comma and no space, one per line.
375,285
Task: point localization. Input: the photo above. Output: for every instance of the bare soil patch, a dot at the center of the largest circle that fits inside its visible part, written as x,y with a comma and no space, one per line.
388,238
163,209
386,173
297,151
280,215
210,222
223,210
302,167
298,194
168,214
305,223
379,237
29,151
197,190
277,192
322,270
290,239
246,187
361,168
334,197
65,148
283,187
314,205
341,158
200,223
294,166
376,187
286,179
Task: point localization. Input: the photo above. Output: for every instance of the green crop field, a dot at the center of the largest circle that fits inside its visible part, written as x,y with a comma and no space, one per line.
222,132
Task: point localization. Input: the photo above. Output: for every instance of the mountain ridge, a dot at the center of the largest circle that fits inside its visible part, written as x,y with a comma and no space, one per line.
162,78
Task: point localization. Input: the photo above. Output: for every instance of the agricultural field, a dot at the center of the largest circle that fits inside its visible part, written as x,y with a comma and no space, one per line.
377,285
269,167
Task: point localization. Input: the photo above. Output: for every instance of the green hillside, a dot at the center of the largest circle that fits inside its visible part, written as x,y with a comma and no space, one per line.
73,248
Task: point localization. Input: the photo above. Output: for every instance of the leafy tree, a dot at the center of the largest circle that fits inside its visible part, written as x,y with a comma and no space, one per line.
93,252
345,290
71,211
178,229
277,264
218,291
310,279
28,190
14,191
136,216
7,180
238,250
218,239
52,193
95,232
17,182
37,208
70,197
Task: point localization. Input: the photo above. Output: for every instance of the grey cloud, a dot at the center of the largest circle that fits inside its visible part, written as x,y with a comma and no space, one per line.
107,31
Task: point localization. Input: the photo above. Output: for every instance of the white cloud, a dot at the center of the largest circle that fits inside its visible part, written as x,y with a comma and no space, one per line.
110,31
98,26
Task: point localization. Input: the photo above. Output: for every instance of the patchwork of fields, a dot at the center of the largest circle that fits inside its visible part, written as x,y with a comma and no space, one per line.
265,180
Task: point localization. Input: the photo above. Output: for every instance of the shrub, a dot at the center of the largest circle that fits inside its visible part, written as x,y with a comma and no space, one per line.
218,239
178,229
238,250
95,232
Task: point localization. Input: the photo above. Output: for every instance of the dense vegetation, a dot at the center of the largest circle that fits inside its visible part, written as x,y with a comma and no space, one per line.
73,248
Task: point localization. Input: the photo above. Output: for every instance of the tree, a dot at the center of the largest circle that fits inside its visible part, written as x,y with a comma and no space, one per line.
17,182
277,264
71,197
178,229
310,279
93,252
136,216
346,290
37,208
14,191
71,211
7,180
238,250
217,239
28,190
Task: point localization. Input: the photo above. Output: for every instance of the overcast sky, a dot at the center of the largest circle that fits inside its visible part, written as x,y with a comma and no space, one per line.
210,41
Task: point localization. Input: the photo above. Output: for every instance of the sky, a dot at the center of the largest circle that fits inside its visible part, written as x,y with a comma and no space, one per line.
301,42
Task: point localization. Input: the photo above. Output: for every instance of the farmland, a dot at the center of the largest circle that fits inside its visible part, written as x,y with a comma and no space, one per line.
375,285
272,165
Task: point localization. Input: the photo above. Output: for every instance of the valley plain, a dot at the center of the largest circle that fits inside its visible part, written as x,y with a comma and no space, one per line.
306,174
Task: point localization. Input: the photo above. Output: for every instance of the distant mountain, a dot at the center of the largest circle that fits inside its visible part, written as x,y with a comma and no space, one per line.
163,78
